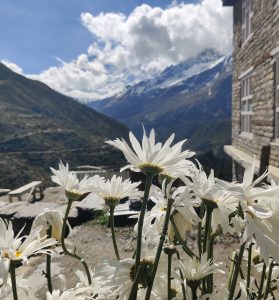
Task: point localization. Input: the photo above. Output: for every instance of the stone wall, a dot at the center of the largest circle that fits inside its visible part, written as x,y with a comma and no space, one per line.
255,52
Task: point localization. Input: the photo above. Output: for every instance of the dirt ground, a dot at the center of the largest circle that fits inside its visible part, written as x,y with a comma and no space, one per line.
94,243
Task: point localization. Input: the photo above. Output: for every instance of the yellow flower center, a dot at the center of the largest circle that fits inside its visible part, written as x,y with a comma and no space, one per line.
149,168
146,267
6,254
18,253
166,176
211,203
173,293
111,201
73,195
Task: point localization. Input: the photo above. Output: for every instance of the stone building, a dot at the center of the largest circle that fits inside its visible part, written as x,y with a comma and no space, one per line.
255,100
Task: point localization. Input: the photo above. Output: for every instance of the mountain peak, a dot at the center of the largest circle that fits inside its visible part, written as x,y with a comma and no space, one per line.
183,97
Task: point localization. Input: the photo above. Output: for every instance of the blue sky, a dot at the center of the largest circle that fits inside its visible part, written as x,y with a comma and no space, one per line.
34,32
92,48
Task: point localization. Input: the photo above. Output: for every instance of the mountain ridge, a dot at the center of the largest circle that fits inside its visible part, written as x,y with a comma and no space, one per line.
39,126
196,106
206,93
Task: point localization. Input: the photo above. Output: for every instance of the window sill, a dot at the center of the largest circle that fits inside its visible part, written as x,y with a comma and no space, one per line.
246,135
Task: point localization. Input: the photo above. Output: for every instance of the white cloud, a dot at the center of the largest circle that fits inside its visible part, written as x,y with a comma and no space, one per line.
126,49
12,66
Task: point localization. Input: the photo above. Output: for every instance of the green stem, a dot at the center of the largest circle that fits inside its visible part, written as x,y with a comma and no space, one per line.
200,239
66,251
210,257
206,241
236,271
13,278
180,239
169,276
201,215
160,247
207,228
231,270
267,287
134,290
182,278
262,282
48,265
148,183
249,267
194,292
111,211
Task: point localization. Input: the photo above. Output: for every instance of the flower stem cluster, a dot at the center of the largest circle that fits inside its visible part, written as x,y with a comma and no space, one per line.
165,264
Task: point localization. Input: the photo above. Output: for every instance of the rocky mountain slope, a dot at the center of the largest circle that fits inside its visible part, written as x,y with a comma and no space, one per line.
192,99
39,126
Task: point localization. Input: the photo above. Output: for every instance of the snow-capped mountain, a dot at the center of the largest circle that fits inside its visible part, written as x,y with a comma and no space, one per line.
192,99
175,75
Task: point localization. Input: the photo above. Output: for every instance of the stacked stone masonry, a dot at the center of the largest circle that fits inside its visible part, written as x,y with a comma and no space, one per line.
255,54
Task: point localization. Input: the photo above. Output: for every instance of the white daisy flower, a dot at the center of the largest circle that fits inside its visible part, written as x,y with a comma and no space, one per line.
115,189
184,202
248,193
274,276
182,225
80,292
201,185
5,280
47,219
194,269
255,256
96,290
71,294
215,195
152,157
19,249
225,204
7,237
66,179
160,291
182,211
119,275
69,182
259,228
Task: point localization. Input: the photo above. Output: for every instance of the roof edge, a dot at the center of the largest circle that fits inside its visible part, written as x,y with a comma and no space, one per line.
229,2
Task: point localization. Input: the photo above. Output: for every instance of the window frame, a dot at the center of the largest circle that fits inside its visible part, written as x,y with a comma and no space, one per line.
246,23
246,105
276,84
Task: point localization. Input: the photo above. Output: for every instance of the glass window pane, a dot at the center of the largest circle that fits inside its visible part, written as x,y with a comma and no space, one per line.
250,105
249,123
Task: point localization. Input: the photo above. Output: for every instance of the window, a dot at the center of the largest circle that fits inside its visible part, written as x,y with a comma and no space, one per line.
277,97
246,105
246,19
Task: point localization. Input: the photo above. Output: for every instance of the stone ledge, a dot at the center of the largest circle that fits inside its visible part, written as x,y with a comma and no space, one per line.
245,160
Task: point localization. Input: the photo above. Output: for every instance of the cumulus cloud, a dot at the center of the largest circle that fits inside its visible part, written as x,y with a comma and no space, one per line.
127,49
12,66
